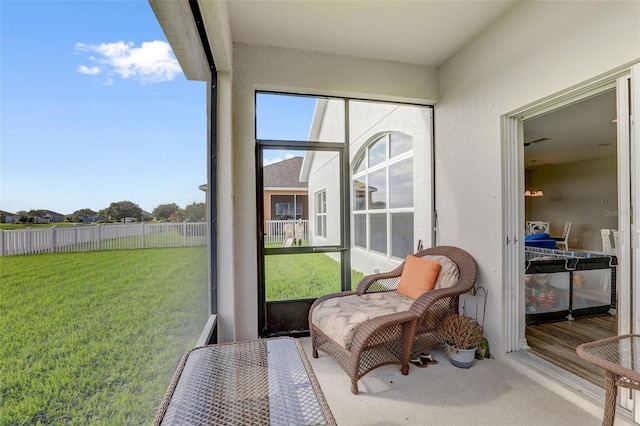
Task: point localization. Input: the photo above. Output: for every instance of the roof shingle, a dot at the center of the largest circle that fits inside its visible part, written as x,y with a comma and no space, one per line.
284,174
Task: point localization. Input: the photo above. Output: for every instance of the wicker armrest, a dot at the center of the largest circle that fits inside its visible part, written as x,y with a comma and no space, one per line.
424,302
331,296
371,329
386,280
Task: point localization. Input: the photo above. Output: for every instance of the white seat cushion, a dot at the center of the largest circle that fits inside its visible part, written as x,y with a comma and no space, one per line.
340,317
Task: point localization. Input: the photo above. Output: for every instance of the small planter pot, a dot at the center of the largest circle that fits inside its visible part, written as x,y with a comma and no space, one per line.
463,358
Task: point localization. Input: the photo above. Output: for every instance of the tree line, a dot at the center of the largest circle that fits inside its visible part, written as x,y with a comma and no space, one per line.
122,210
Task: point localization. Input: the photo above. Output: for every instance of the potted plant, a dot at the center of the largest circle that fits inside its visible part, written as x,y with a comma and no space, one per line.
463,335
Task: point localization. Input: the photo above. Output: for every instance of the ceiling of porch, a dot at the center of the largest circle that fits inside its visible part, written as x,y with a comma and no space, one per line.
422,32
417,32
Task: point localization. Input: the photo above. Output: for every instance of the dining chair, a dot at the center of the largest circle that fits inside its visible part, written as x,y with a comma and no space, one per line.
564,239
538,227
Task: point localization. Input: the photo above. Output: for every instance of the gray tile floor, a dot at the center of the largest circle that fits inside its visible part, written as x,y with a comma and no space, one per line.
489,393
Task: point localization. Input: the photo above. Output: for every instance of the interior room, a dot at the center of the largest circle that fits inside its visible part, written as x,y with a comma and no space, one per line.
571,185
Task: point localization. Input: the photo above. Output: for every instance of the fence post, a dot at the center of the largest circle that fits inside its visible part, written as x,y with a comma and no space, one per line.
52,247
99,237
142,236
184,234
1,242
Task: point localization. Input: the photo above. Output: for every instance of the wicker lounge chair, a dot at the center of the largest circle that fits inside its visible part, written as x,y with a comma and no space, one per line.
375,325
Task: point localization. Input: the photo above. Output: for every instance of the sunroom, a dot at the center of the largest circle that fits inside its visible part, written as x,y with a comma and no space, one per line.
448,94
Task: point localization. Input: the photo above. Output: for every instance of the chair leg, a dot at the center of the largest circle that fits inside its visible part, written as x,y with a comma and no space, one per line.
354,387
314,350
408,333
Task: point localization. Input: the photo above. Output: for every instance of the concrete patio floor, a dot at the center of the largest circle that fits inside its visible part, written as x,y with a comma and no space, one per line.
489,393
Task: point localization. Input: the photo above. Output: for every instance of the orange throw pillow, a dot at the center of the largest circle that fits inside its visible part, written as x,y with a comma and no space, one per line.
418,276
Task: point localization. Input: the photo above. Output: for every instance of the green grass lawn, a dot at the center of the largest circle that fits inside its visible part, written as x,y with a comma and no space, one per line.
11,226
94,338
301,276
165,239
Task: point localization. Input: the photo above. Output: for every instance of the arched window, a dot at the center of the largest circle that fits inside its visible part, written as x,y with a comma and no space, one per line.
382,188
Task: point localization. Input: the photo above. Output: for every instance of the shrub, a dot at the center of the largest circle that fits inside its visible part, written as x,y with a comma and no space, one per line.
460,332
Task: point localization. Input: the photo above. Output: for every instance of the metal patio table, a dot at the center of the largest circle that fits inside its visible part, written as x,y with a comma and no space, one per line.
619,356
257,382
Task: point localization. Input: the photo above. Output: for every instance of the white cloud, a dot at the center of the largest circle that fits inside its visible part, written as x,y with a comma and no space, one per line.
271,160
152,62
268,161
90,71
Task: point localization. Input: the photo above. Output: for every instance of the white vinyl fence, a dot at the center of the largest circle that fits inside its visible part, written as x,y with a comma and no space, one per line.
274,230
102,237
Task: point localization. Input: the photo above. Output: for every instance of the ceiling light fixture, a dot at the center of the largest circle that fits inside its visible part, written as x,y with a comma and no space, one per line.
533,192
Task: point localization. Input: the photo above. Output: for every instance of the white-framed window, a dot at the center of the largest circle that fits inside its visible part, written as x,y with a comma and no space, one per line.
321,213
382,188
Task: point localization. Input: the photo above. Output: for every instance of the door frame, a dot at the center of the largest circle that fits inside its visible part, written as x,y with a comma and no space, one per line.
631,130
513,205
292,309
293,312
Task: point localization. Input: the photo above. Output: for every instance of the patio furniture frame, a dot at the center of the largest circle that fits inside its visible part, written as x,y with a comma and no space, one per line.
395,338
618,356
254,382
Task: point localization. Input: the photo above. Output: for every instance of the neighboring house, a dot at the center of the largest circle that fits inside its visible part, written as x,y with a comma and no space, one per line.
48,216
8,217
144,217
285,193
483,68
53,216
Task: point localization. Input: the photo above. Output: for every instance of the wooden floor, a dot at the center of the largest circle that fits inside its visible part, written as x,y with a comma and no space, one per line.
556,342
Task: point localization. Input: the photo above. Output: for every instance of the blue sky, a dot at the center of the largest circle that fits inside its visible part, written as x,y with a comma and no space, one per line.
283,117
94,109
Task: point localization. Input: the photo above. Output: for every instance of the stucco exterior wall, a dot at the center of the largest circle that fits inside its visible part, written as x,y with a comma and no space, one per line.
225,224
416,122
368,121
535,50
324,175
